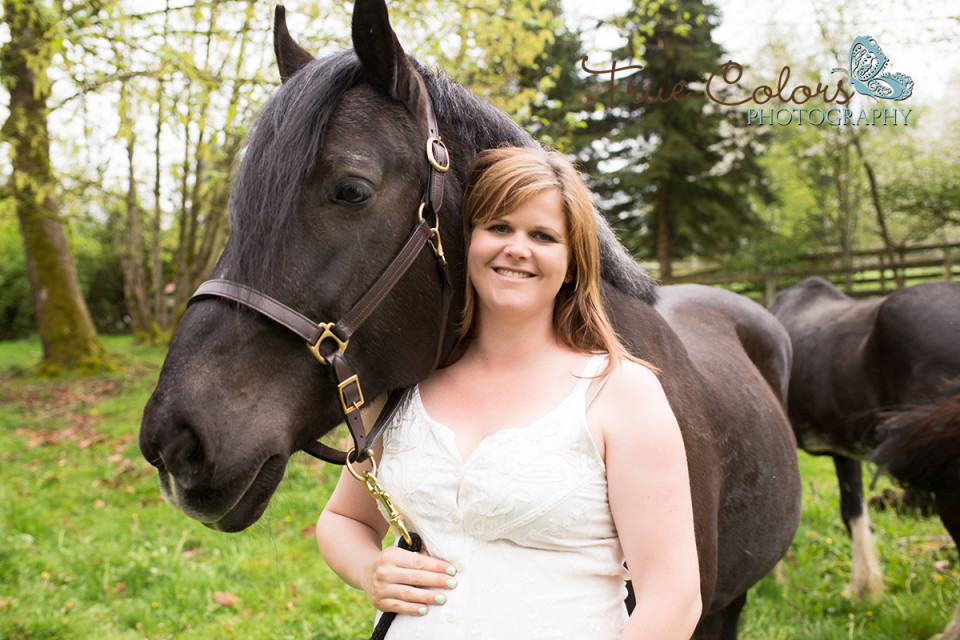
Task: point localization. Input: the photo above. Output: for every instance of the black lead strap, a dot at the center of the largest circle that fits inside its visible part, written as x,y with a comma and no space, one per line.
386,618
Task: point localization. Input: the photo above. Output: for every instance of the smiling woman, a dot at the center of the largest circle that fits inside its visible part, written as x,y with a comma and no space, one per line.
514,183
510,462
519,260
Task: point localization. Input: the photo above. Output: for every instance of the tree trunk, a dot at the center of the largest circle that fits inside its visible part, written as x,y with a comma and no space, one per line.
846,212
63,321
881,218
663,237
161,314
131,253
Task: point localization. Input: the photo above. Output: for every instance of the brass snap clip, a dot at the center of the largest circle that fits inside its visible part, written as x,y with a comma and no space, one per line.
369,480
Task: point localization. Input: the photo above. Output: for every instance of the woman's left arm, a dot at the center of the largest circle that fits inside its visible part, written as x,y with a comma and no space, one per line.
649,493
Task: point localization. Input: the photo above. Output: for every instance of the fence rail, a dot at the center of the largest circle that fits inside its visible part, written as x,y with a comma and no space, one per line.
861,273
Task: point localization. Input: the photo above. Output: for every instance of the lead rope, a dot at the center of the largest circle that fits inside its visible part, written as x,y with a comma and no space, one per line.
408,541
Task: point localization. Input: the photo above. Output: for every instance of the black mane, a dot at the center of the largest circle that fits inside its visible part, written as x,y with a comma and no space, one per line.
287,138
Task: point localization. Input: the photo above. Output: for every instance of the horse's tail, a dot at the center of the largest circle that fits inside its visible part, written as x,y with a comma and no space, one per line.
921,446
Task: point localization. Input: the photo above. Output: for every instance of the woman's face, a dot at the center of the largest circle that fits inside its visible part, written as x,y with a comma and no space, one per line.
518,262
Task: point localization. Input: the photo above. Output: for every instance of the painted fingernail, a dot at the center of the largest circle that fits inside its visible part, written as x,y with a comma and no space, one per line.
422,611
439,599
451,583
451,571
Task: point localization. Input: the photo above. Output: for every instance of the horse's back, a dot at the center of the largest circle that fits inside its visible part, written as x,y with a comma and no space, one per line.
918,331
701,315
741,356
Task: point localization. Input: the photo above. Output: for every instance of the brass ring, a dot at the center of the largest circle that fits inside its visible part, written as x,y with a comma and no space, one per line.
433,159
353,472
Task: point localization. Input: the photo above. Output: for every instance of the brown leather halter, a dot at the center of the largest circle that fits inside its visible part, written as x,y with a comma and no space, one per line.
328,341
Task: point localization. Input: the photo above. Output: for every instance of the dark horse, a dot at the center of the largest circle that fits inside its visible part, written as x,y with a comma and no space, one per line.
329,186
878,378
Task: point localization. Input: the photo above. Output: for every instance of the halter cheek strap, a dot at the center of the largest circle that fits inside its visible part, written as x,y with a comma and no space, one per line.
328,341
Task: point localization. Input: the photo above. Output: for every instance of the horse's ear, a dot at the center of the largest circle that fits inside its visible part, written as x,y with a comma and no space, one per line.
291,57
384,60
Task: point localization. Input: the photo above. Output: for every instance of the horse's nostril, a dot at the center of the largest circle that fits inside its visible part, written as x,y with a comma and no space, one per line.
183,456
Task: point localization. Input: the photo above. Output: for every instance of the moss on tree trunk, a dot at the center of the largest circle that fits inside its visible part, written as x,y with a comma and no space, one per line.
69,338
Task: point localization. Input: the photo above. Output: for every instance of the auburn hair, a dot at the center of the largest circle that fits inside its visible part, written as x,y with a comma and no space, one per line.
502,180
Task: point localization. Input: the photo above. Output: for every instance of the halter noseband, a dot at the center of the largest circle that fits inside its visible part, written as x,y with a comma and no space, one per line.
328,341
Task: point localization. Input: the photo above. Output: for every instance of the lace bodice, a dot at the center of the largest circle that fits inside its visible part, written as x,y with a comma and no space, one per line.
524,519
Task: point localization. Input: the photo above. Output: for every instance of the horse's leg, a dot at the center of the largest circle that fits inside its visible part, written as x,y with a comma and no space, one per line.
722,624
948,506
867,578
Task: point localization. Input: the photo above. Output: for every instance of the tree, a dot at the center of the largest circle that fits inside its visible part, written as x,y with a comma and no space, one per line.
184,81
165,93
673,168
63,321
202,92
848,187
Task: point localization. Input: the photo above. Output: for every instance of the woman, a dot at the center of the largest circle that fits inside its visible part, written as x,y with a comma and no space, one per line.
540,459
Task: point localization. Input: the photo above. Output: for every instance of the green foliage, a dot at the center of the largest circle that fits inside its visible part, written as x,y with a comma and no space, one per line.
821,191
36,33
97,268
16,306
918,178
101,277
493,47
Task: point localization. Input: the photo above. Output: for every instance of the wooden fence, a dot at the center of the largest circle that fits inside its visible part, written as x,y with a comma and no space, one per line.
863,273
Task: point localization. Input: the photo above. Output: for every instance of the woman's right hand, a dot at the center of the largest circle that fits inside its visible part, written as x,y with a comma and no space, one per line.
409,583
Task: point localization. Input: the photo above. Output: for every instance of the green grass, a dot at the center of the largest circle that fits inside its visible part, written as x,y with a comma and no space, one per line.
921,584
89,550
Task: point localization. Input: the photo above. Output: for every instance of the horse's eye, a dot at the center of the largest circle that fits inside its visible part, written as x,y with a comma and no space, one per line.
353,194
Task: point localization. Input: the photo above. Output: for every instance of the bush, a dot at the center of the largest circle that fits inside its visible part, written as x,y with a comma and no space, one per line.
16,306
98,269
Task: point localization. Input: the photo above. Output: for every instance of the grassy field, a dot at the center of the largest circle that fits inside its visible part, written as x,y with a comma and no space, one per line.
89,550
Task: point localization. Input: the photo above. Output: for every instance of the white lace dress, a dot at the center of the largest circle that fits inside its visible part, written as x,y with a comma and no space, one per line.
525,520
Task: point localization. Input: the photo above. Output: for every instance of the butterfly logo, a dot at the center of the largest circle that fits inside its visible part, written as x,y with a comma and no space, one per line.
867,63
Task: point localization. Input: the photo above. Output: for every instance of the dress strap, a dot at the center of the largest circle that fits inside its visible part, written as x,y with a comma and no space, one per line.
586,375
595,384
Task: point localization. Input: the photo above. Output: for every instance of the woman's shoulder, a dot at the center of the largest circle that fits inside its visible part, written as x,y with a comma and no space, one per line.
633,396
632,377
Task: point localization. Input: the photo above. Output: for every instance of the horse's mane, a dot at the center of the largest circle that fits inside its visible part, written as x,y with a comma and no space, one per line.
288,135
484,126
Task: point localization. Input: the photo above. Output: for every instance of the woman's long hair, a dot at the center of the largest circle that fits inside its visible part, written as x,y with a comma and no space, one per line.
502,180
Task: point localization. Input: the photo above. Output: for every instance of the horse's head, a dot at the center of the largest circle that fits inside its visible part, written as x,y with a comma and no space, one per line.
326,195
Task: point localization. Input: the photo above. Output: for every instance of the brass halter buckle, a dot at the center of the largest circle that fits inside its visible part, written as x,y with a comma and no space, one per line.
353,405
369,480
327,333
442,168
